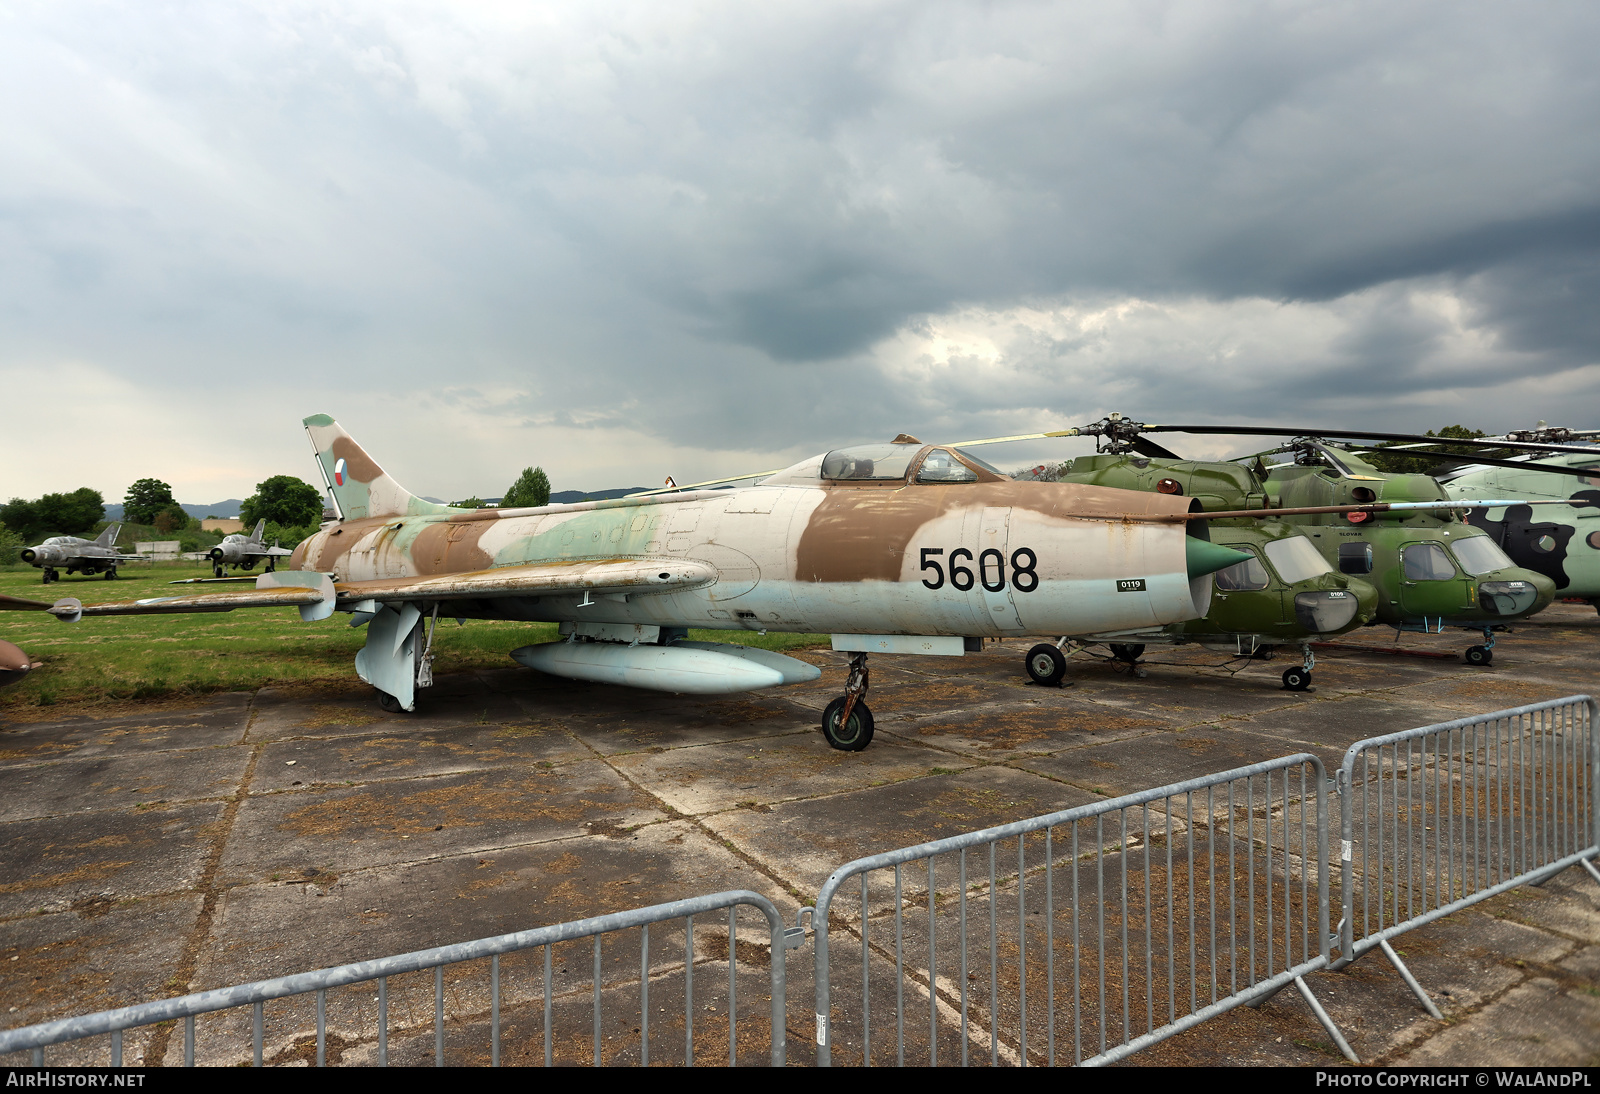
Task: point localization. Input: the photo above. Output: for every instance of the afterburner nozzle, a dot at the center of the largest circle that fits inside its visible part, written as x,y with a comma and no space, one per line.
1207,558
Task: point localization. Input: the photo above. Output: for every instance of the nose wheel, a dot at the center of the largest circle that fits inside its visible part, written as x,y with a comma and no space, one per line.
847,723
1299,678
1484,654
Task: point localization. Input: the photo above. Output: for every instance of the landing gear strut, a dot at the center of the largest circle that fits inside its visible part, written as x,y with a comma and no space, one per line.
1129,654
1484,654
1299,679
847,723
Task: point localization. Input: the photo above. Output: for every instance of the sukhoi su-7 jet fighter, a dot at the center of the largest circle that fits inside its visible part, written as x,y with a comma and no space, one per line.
901,547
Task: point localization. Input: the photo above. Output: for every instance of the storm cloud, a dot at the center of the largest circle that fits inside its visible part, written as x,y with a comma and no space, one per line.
628,240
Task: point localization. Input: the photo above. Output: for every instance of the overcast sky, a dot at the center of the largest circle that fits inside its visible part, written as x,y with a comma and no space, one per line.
636,239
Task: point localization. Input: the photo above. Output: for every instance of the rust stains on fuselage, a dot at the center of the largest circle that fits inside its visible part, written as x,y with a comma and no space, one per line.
450,547
325,552
861,532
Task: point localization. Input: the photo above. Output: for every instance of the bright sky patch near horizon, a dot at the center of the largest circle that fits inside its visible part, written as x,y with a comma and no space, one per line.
627,240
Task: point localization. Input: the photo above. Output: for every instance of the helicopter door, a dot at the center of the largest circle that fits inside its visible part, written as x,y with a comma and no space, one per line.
1242,599
991,568
1430,585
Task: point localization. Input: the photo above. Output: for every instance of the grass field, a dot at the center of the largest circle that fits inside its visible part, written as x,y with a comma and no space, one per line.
117,659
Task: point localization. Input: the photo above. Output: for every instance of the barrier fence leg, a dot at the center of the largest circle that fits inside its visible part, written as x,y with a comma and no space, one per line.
1411,981
1327,1023
1589,866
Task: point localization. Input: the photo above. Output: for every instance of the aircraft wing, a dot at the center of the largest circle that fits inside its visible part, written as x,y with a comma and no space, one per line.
622,575
316,594
20,604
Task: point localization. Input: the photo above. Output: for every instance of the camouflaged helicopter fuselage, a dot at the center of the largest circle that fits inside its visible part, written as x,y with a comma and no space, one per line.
798,553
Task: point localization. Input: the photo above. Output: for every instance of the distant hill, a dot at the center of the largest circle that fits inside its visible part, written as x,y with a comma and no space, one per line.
562,497
229,508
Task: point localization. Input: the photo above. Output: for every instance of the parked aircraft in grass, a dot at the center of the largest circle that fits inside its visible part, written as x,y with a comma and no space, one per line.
243,552
901,547
74,555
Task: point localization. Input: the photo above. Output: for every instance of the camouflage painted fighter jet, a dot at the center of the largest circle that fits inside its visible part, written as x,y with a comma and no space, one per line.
892,548
243,552
75,555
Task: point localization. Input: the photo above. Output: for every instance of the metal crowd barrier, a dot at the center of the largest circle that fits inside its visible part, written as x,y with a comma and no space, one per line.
255,994
1190,899
1439,818
1159,910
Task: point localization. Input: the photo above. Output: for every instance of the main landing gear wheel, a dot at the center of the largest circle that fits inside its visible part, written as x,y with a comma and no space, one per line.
1296,679
1128,653
111,575
390,703
1046,665
852,736
1479,655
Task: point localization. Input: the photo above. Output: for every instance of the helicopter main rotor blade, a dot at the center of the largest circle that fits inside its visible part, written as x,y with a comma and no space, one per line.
1372,507
1579,472
1263,431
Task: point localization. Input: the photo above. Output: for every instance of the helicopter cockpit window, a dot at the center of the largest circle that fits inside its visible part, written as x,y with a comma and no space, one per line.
1426,562
1480,554
1355,558
942,466
1296,559
869,462
1242,576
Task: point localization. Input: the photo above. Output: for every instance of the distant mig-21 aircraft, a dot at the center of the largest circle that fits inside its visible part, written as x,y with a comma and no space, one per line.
74,555
894,548
244,552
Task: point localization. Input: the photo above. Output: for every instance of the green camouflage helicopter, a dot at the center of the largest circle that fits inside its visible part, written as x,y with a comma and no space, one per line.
1430,568
1285,594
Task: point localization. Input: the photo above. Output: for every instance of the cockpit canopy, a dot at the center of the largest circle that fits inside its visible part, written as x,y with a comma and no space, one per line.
892,462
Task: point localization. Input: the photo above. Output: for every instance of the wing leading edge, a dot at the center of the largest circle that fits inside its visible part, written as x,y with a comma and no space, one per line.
317,596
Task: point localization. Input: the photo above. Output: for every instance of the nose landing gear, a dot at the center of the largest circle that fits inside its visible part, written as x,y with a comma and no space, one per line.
1484,654
1299,678
847,723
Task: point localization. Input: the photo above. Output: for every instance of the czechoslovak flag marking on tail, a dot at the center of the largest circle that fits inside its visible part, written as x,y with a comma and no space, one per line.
338,473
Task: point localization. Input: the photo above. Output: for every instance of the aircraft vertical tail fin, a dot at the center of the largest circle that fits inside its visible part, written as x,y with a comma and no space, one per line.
261,526
108,538
360,488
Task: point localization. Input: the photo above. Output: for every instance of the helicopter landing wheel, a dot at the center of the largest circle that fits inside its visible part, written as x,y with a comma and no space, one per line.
1479,655
1128,653
1296,679
1046,665
851,737
390,703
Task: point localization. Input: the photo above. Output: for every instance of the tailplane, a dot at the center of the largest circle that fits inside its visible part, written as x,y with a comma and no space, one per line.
360,488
